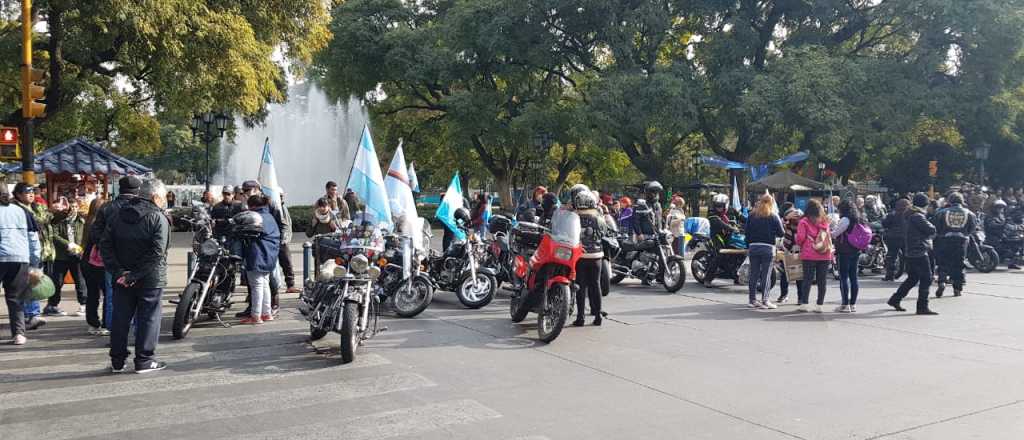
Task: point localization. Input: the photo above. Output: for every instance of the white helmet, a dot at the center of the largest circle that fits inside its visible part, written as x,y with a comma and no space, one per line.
584,200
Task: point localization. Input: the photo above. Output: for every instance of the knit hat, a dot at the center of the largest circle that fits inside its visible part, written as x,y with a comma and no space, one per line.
129,185
921,200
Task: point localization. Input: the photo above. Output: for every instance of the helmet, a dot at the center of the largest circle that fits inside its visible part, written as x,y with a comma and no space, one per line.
720,201
584,200
462,216
576,190
248,224
999,204
955,198
870,199
641,204
655,188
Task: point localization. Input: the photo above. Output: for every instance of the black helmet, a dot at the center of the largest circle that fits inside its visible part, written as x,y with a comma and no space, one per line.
653,187
462,217
955,198
248,224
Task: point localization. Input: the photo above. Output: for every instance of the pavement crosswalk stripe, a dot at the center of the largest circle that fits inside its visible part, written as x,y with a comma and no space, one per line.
200,379
405,421
50,372
96,425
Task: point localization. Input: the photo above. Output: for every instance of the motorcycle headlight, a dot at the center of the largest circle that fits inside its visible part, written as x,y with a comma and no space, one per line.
340,272
563,253
209,248
359,264
373,272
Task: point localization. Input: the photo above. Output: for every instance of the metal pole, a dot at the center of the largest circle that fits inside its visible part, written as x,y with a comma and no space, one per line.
307,257
206,137
28,174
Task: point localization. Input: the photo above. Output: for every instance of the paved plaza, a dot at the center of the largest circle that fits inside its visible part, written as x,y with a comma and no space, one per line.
696,364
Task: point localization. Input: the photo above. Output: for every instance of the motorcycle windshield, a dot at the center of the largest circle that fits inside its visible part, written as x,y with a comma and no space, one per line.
565,227
357,238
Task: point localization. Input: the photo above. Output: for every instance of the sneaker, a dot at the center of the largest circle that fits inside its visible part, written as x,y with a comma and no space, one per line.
579,322
54,311
754,305
150,367
19,340
843,309
266,318
34,323
940,289
803,308
782,299
274,310
95,331
853,308
817,309
103,332
251,320
769,305
1013,266
81,311
244,313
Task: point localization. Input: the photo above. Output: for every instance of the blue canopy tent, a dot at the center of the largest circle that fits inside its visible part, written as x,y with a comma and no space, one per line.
76,161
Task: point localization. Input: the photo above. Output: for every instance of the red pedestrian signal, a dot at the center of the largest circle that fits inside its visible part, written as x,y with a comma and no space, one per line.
9,143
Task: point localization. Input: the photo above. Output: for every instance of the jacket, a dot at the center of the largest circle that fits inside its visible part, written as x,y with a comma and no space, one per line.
918,234
261,254
895,227
286,224
720,227
19,236
792,221
42,218
806,234
67,230
221,213
99,224
135,242
592,230
995,228
764,230
955,222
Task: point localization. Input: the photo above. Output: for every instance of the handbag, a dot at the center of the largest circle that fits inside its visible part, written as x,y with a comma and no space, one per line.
793,265
94,257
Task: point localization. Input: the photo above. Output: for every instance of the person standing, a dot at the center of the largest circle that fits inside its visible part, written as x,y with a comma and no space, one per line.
19,252
815,243
260,253
25,197
134,249
791,220
338,205
284,255
917,235
763,228
224,210
588,267
954,225
95,279
67,227
894,224
675,220
847,255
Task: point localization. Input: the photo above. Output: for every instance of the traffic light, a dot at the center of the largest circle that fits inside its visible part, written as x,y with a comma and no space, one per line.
9,143
31,92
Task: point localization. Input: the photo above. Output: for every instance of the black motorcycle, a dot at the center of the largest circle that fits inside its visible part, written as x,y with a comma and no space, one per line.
458,270
1011,247
981,256
211,280
401,284
873,258
731,255
649,260
341,298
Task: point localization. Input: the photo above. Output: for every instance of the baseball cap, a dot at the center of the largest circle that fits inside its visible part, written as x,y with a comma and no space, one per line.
250,184
23,188
129,184
227,189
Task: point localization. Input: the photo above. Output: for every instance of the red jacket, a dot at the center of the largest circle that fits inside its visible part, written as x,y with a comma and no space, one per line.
806,233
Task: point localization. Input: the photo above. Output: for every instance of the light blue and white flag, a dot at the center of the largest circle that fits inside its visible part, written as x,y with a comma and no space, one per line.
267,176
446,210
398,188
414,182
736,204
367,182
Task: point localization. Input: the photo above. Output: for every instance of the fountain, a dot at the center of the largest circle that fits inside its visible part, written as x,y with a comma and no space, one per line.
312,139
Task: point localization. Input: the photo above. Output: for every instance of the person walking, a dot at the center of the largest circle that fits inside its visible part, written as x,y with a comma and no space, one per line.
95,279
134,249
260,252
588,267
763,229
791,220
66,227
954,224
19,252
815,253
25,197
894,237
847,255
918,234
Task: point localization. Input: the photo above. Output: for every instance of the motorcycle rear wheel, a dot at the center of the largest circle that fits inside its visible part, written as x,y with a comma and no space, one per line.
349,334
989,261
183,312
552,318
699,265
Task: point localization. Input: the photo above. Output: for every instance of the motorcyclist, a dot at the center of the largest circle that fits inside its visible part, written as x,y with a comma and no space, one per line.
224,210
533,203
588,267
644,220
995,229
721,228
894,243
953,225
548,205
652,193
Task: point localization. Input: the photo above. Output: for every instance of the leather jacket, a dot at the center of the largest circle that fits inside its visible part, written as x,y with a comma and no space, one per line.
955,222
918,235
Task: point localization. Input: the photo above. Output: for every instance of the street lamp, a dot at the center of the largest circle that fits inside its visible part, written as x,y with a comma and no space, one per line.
209,127
981,153
821,171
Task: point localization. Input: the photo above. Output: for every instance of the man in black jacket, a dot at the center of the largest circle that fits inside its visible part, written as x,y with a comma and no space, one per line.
917,244
894,240
134,251
954,224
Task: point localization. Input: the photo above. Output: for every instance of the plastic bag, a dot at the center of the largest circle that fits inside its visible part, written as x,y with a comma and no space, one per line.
40,286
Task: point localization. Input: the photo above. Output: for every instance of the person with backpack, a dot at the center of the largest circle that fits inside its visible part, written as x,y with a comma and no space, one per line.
851,235
815,243
918,233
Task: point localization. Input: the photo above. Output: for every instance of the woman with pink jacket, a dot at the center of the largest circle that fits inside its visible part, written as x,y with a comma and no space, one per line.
815,241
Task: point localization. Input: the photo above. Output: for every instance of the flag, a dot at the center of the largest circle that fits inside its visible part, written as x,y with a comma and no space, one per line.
267,176
446,210
736,204
367,182
397,185
487,210
414,182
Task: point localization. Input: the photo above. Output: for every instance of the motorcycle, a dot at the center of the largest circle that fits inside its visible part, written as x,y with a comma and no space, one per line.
458,270
547,275
649,260
499,256
981,256
1011,247
341,297
211,279
873,258
401,284
731,254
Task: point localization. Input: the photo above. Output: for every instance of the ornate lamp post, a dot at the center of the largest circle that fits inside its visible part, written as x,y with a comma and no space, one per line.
209,127
981,153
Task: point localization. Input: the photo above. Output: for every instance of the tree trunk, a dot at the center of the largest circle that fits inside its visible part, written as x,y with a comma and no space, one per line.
504,185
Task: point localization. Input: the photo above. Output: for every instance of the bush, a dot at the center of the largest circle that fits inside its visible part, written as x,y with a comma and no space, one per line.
301,216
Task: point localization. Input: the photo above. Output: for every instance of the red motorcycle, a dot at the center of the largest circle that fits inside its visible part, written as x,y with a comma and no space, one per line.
547,278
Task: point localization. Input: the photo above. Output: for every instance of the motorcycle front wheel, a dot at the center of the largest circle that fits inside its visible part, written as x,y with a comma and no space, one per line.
606,277
477,292
349,334
517,307
413,299
183,312
675,275
552,318
989,261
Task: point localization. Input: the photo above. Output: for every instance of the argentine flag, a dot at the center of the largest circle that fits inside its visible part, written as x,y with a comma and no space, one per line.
267,176
367,182
452,201
398,188
414,182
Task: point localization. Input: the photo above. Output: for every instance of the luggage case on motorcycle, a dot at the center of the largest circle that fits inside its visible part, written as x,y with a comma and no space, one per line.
499,223
526,236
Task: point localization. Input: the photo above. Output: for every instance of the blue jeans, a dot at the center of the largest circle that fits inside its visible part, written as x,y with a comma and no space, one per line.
108,300
848,272
761,260
32,308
